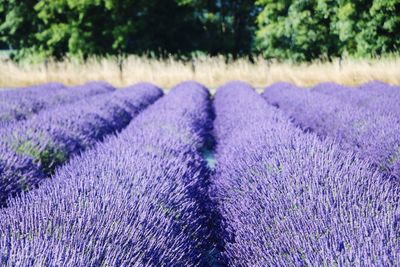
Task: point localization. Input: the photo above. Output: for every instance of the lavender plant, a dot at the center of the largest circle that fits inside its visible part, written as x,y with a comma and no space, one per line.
133,200
373,136
288,198
375,96
50,138
19,104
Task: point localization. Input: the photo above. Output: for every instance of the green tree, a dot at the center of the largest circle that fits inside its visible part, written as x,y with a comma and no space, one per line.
283,29
228,25
86,27
165,27
379,29
305,30
297,30
17,23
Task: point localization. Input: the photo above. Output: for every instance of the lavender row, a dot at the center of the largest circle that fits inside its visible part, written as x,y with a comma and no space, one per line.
30,91
376,96
373,136
19,104
379,88
289,199
32,149
131,201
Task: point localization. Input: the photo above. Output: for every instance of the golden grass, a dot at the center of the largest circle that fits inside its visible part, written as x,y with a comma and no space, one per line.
211,71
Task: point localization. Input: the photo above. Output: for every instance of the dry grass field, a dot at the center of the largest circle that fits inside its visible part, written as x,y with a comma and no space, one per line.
211,71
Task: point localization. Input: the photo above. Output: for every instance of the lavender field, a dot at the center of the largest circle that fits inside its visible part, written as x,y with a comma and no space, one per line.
93,175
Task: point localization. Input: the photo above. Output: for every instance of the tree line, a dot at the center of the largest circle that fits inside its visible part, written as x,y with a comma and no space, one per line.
298,30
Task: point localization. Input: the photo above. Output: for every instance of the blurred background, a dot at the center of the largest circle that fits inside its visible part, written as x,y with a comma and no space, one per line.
43,40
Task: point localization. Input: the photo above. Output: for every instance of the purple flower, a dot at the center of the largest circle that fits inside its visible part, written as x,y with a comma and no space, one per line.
50,138
374,136
131,201
19,104
287,198
375,96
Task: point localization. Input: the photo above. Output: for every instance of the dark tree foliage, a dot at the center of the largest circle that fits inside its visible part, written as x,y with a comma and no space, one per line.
304,30
228,25
59,28
18,23
283,29
165,27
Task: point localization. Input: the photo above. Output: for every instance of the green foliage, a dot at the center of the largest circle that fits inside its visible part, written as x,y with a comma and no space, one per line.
228,25
284,29
379,29
297,30
309,29
17,23
97,27
82,27
47,157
